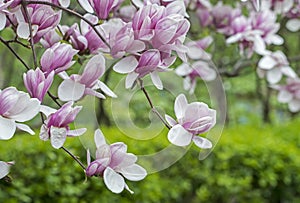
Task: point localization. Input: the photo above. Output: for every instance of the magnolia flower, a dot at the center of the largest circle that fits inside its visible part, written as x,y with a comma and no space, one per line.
76,86
37,84
275,65
4,168
192,71
50,38
290,93
3,12
101,7
192,119
43,19
56,127
196,49
16,106
114,164
58,58
149,63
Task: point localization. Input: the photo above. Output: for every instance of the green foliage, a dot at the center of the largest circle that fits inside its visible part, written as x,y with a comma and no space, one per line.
249,164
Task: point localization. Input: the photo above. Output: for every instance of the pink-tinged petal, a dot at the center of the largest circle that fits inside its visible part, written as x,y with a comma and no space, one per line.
202,142
284,96
134,172
259,46
130,79
8,128
126,65
234,38
293,25
127,160
156,80
179,136
183,70
88,157
294,105
58,136
274,75
2,21
70,90
4,169
113,181
64,3
103,152
267,63
76,132
106,90
46,110
99,138
25,128
136,46
180,105
44,133
23,30
170,120
93,70
94,93
86,5
288,71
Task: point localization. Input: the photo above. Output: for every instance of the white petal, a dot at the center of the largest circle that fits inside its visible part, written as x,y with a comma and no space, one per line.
274,75
47,110
8,128
4,169
288,71
179,136
31,110
202,142
25,128
180,106
293,25
23,30
99,138
284,96
86,5
277,40
114,181
70,90
130,79
64,3
58,136
134,172
170,120
183,70
126,65
267,63
106,90
128,189
156,80
76,132
294,105
2,21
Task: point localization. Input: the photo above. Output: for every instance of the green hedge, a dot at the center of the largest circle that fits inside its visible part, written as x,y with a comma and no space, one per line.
249,164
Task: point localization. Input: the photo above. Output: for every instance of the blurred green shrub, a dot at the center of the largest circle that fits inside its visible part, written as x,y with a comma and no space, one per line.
249,164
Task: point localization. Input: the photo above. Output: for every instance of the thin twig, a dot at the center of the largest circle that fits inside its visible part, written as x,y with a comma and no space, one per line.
74,157
152,106
72,13
53,98
24,5
14,53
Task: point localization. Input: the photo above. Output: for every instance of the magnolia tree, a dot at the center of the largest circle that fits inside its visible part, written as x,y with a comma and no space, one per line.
140,39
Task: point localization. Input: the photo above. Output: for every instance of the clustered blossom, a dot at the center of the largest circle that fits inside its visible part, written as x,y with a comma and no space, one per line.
16,107
114,164
290,93
192,119
56,127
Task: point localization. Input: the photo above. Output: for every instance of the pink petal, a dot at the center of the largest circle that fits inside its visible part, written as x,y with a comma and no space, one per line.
179,136
113,181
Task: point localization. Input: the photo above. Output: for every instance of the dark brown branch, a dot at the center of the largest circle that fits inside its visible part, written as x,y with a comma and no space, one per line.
72,13
74,157
14,53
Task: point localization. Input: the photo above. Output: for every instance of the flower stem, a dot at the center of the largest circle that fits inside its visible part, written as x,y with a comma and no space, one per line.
74,157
